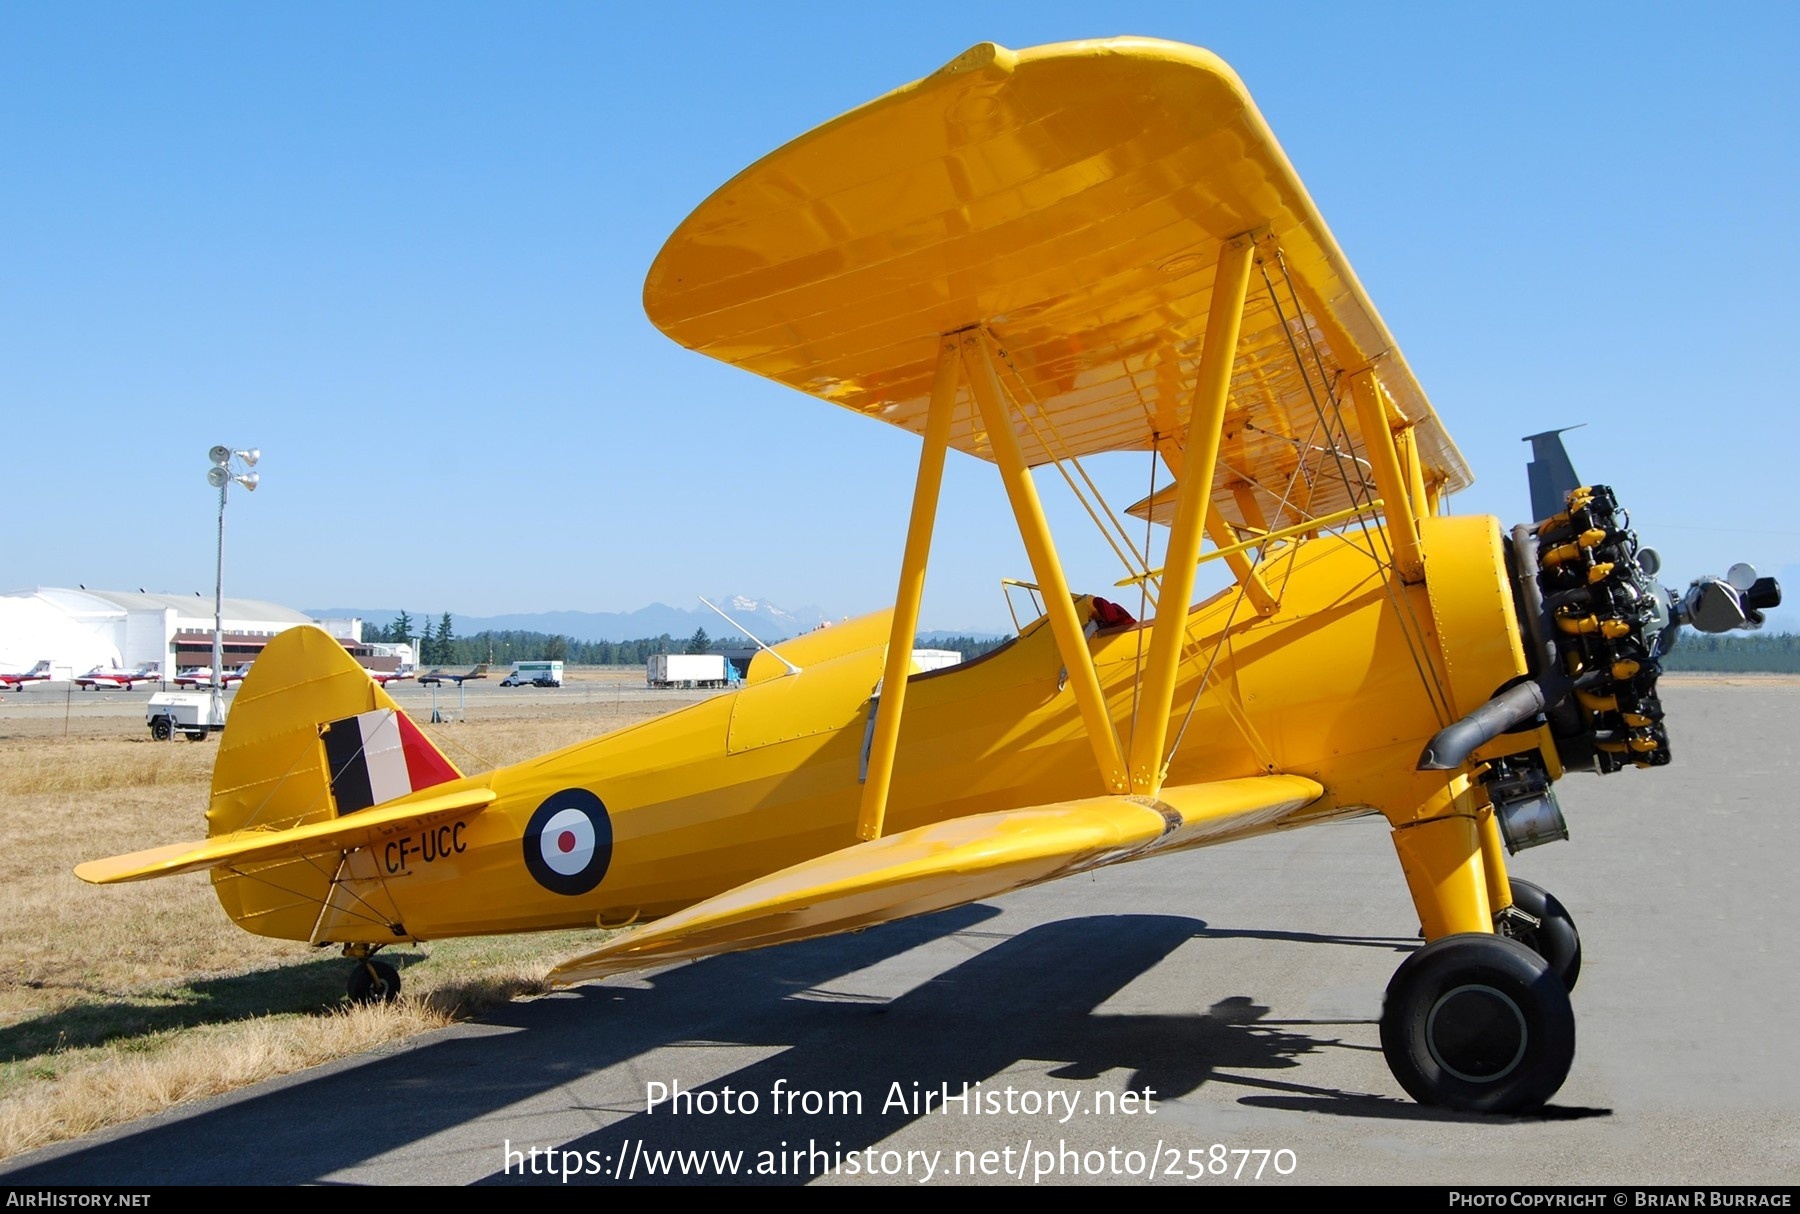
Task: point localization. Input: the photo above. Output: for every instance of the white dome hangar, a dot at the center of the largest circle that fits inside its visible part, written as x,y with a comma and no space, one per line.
77,630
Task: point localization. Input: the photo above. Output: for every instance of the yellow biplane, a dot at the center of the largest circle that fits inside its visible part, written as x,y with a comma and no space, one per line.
1034,257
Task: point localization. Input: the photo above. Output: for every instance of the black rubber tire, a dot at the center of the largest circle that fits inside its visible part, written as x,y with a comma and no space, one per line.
373,981
1556,941
161,729
1478,1023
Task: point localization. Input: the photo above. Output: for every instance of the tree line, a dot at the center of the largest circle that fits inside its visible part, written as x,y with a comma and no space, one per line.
438,645
1754,653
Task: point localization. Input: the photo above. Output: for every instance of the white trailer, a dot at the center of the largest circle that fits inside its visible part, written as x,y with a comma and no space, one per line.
179,712
686,670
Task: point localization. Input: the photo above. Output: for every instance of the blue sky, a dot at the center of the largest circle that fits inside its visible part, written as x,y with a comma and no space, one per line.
401,249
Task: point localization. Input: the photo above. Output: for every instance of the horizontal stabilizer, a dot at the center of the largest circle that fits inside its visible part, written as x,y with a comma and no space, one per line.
256,846
945,864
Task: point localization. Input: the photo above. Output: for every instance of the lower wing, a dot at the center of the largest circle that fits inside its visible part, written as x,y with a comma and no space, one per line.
947,864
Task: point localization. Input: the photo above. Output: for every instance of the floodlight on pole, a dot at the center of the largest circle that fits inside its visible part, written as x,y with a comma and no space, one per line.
220,476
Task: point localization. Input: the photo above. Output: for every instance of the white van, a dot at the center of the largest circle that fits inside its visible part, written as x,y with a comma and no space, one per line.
534,674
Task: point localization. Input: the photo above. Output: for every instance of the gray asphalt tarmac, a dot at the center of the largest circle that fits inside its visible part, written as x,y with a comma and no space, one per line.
1234,992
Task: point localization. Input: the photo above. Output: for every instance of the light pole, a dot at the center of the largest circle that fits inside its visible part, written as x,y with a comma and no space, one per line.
220,476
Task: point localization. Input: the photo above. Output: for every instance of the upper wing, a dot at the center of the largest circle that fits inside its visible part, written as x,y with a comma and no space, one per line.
947,864
1071,200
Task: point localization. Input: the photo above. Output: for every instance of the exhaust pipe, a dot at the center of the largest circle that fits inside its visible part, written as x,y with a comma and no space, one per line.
1452,745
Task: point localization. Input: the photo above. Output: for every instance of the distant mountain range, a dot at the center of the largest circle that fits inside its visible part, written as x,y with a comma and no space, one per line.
765,619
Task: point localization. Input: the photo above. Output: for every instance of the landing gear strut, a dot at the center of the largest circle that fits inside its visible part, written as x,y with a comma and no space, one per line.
371,981
1478,1023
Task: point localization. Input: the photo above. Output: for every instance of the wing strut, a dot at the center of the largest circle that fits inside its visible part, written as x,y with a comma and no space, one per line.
1406,442
905,624
1206,422
1373,418
1224,544
1034,531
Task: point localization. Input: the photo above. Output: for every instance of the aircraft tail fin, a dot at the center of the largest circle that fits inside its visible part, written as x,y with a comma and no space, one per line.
310,739
1550,472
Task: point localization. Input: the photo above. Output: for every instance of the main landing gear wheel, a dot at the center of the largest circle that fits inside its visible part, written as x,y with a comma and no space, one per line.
374,981
1555,938
1478,1023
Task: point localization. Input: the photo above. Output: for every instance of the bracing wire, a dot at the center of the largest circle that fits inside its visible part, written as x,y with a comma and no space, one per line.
322,903
256,814
1357,492
1137,564
316,803
1137,673
1428,675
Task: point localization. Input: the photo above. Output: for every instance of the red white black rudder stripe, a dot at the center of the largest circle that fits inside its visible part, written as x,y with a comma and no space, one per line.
376,757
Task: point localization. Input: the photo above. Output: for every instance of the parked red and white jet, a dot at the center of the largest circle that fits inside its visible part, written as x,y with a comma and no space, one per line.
37,674
202,676
111,678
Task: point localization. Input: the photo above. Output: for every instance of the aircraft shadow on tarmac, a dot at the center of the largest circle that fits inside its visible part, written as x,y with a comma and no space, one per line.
1029,997
310,987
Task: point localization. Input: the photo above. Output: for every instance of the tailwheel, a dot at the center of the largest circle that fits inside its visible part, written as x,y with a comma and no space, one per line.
373,981
1552,936
1478,1023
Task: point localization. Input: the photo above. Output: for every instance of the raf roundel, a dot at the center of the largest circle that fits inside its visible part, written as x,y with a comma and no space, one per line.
568,842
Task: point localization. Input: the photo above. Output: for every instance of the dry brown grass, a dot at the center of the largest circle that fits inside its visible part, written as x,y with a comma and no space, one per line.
90,765
122,1000
132,1078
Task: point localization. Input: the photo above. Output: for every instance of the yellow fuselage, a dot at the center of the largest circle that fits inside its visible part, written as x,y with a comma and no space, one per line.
1337,685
